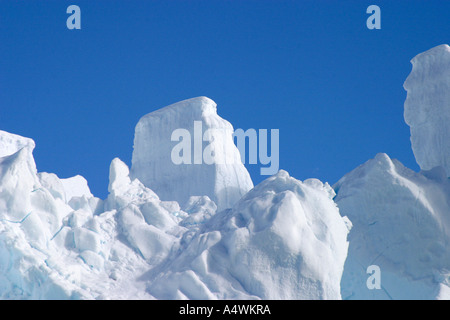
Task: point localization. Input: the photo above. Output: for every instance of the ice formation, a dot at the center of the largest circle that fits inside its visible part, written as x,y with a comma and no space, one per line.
401,220
202,231
285,239
11,143
401,224
224,182
427,108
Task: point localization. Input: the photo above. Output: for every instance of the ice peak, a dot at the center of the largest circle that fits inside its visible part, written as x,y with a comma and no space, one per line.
11,143
118,175
76,186
195,107
427,107
401,217
154,142
440,49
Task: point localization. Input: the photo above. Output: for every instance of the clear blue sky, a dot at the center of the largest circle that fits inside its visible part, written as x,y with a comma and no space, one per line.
308,68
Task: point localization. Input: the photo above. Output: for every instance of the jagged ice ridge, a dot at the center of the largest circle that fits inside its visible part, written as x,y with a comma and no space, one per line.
203,231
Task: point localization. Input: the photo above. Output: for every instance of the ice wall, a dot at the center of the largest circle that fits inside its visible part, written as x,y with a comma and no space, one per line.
427,108
152,162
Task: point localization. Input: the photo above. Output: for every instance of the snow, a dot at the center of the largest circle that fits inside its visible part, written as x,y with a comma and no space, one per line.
53,184
427,108
11,143
203,231
200,209
224,182
283,240
76,187
401,224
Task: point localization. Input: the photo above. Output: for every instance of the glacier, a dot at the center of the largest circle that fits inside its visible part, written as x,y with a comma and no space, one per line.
204,231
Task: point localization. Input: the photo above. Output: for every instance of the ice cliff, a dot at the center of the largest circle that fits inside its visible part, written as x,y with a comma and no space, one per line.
427,108
224,181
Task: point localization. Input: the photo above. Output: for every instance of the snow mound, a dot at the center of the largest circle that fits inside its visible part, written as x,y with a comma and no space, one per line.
285,239
401,223
225,181
427,108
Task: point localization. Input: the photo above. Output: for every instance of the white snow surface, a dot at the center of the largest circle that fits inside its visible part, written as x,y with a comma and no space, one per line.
401,223
203,231
427,108
285,239
11,143
76,187
224,182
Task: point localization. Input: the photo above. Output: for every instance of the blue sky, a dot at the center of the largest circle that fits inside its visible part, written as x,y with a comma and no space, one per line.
311,69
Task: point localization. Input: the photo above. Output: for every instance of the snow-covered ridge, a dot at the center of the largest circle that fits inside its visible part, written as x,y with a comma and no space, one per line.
11,143
134,245
284,239
205,232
